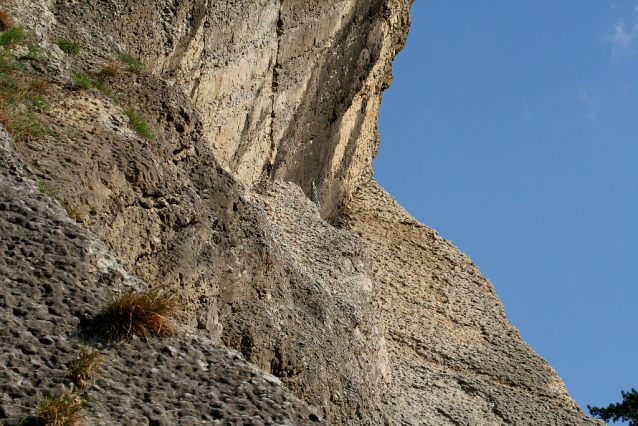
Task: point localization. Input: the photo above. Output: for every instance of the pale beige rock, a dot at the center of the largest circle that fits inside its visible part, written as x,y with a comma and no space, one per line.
375,320
454,356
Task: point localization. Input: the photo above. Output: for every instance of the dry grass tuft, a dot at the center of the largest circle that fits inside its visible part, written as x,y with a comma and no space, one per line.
19,94
64,409
139,313
6,20
40,85
110,69
85,366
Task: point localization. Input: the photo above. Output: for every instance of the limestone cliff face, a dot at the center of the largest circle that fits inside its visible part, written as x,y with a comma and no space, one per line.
363,313
287,90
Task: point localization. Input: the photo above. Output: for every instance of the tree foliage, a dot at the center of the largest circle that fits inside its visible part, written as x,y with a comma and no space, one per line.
625,411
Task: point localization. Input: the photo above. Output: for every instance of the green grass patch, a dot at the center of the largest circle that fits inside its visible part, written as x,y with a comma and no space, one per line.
46,189
139,125
8,63
36,53
82,80
12,36
17,95
68,46
134,64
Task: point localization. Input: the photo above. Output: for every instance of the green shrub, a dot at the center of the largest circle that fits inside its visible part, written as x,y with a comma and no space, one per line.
134,64
139,125
11,36
81,80
69,47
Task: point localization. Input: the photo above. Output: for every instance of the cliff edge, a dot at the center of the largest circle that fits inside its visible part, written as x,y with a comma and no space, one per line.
309,295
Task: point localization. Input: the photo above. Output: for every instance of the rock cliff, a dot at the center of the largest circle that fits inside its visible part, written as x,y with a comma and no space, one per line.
255,202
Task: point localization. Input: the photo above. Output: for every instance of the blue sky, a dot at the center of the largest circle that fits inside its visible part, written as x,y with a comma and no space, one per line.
512,129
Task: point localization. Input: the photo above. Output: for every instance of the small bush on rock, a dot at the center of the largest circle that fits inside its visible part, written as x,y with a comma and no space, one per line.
12,36
139,313
69,47
64,409
139,125
134,64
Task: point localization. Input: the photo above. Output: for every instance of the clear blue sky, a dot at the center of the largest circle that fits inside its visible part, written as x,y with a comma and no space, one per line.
511,128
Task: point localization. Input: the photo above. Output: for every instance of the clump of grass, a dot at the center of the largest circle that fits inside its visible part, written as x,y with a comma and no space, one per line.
63,409
17,94
134,64
110,69
103,86
68,46
85,366
6,20
46,189
139,125
36,53
39,85
11,36
139,313
21,123
8,63
82,80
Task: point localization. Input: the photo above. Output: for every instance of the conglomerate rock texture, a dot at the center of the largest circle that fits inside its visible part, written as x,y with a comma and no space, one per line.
256,203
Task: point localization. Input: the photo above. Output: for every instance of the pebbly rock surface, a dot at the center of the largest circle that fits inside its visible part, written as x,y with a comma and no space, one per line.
54,277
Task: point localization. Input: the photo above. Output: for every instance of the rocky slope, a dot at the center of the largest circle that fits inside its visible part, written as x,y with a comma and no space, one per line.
55,276
264,110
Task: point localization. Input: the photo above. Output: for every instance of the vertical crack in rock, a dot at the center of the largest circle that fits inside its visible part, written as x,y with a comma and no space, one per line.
267,169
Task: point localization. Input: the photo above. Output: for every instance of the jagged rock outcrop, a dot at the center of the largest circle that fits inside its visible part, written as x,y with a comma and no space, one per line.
363,313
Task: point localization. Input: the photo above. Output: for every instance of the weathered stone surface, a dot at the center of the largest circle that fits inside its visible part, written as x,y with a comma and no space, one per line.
286,89
454,356
234,256
375,320
54,276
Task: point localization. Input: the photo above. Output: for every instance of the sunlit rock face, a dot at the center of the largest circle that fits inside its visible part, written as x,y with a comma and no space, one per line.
256,203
